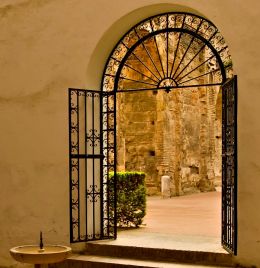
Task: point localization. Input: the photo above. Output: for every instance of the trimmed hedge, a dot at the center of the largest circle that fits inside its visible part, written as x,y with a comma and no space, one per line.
131,198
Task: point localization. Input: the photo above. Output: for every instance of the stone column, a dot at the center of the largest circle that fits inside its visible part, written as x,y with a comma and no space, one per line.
204,184
160,130
211,99
176,183
120,133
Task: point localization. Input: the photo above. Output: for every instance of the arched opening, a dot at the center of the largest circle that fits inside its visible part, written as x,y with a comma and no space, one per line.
177,62
184,46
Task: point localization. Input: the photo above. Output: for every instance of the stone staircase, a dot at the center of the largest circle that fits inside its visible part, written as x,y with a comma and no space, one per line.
99,254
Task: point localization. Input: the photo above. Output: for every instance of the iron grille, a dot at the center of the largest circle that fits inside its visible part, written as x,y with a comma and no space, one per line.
92,198
229,165
166,51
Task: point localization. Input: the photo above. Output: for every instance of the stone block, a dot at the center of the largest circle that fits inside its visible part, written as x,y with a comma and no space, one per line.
152,191
165,186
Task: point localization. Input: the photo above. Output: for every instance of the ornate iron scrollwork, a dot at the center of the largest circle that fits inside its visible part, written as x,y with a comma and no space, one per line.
171,50
229,165
86,156
168,51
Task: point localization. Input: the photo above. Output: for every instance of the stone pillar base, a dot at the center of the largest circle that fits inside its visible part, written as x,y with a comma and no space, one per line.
165,187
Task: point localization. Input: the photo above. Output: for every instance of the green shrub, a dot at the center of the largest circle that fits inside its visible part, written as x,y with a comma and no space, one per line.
131,197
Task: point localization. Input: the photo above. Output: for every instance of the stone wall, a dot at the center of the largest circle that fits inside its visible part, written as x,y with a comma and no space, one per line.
176,134
171,133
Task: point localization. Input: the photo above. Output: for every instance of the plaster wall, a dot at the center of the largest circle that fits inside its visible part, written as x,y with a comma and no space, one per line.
47,46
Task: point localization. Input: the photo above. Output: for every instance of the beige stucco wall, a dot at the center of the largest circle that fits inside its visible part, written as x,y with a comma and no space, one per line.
47,46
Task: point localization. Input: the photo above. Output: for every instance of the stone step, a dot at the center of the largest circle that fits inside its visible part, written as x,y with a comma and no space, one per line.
158,254
93,261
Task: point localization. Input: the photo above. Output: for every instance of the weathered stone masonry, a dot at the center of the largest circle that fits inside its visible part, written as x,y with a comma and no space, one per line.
176,134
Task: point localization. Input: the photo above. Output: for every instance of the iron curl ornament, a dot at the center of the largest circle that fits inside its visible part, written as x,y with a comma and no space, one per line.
170,50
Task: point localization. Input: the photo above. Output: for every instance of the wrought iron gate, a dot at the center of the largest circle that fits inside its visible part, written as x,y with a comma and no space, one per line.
229,165
166,51
91,145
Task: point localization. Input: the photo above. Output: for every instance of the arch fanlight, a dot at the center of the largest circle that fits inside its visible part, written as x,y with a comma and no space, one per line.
172,50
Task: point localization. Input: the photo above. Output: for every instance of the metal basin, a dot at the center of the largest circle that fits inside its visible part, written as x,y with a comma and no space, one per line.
33,254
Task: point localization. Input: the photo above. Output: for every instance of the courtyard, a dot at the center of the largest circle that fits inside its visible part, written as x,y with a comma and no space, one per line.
185,223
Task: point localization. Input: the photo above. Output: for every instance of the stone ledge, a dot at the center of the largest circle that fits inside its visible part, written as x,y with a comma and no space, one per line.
159,254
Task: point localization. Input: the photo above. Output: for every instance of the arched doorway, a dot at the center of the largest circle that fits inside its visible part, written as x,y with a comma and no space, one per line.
164,52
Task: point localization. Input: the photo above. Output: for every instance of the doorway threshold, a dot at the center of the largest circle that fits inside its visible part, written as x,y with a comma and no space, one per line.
138,245
190,222
140,238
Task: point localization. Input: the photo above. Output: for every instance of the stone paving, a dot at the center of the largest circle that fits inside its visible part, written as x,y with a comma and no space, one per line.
180,232
191,222
195,214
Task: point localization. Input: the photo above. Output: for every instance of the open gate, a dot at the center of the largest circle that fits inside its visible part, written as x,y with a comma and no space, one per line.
186,51
92,142
229,165
92,157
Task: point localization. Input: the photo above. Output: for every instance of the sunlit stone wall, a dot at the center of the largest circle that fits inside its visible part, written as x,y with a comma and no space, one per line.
176,134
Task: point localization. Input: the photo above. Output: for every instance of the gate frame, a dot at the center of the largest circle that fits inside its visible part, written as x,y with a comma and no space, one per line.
107,92
229,227
224,71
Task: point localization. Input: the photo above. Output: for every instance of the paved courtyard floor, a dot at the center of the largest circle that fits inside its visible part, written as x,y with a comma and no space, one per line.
191,222
195,214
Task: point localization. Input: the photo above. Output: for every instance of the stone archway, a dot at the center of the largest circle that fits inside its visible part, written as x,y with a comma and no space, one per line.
178,53
188,55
